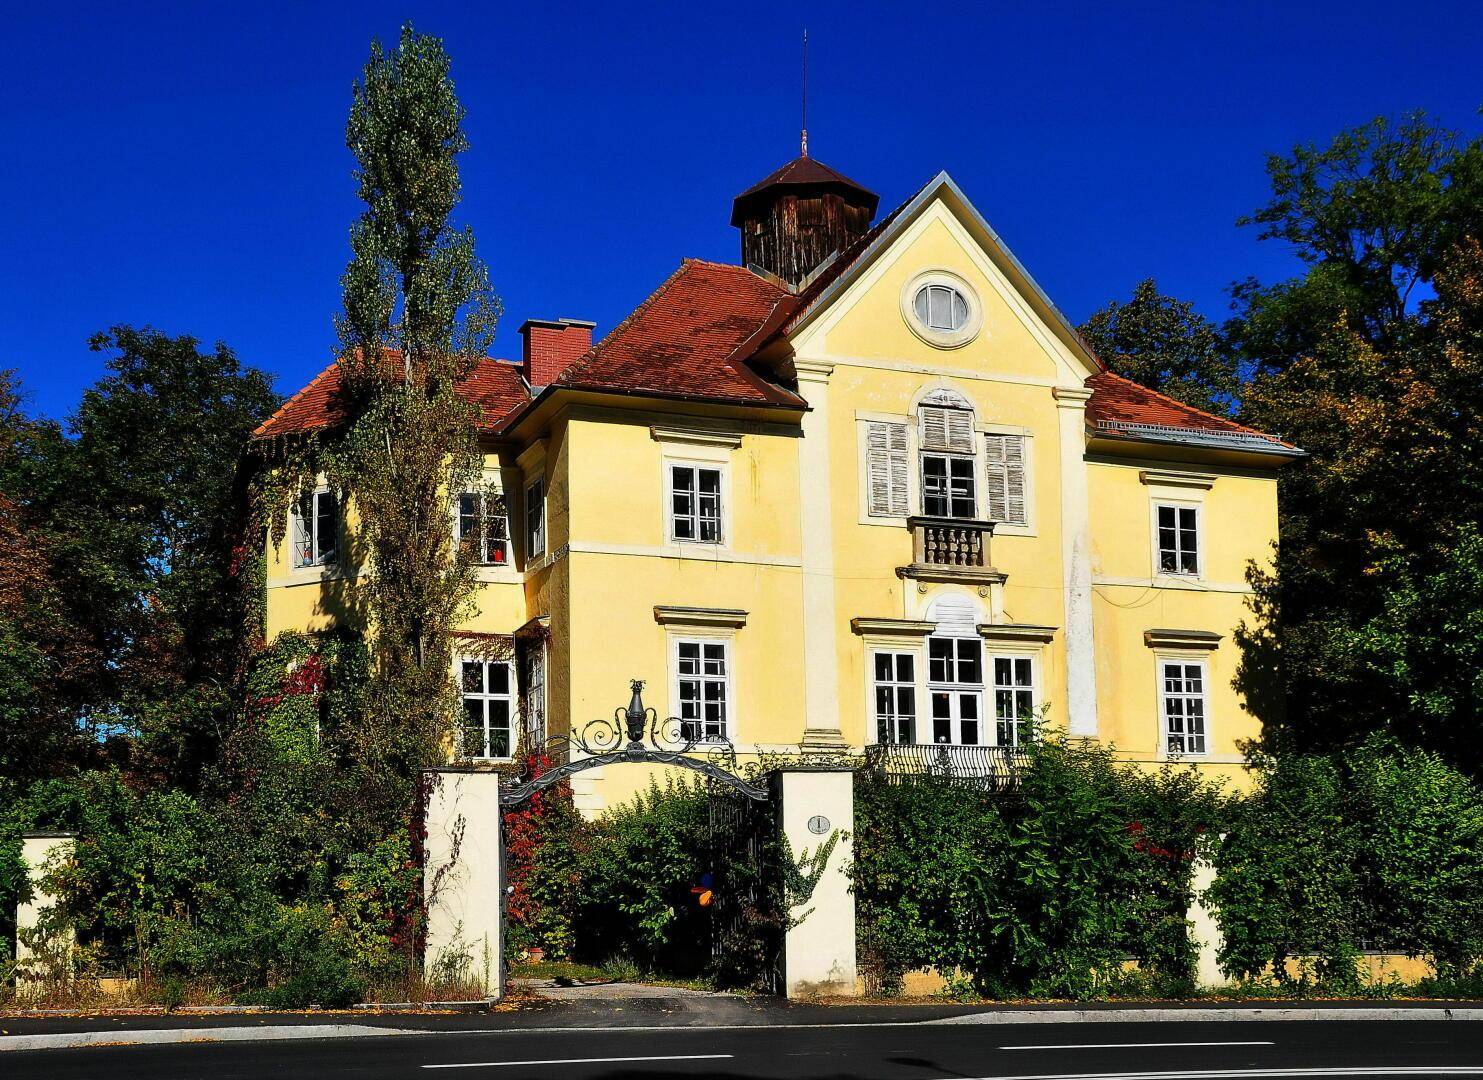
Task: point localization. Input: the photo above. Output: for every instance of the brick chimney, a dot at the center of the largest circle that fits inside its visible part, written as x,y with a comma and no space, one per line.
551,345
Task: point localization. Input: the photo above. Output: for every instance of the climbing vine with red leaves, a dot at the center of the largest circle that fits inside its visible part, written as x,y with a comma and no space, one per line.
543,845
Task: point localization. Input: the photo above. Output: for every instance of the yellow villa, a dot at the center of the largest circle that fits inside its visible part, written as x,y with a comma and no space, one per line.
866,490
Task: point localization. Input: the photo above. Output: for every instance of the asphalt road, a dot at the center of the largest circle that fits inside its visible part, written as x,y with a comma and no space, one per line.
908,1051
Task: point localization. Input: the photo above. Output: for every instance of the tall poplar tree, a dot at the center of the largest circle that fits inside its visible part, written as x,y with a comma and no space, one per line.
419,312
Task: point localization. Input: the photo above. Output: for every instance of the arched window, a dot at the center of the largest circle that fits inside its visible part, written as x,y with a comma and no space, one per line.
949,464
955,673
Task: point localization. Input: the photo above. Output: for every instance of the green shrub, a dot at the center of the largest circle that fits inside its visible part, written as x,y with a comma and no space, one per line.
1044,891
1380,847
638,866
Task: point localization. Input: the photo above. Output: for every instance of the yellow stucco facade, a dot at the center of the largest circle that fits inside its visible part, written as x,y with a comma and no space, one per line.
810,577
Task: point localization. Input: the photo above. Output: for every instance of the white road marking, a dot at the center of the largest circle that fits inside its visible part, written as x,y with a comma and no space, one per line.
1131,1046
579,1061
1277,1070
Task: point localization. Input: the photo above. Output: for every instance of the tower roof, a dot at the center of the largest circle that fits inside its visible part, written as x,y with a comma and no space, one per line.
802,173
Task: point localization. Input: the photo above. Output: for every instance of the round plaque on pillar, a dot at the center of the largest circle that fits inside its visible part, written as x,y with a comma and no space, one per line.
818,824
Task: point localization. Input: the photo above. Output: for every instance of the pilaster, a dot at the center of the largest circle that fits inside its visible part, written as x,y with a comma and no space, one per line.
1076,563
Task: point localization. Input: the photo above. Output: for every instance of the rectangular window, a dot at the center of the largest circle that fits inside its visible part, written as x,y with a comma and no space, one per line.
948,487
955,690
1179,539
886,469
533,693
895,697
695,504
483,527
1014,700
1004,490
535,519
1183,703
701,684
316,528
488,706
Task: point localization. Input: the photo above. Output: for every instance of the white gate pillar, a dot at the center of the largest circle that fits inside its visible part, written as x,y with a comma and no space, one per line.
819,951
1204,929
40,851
463,877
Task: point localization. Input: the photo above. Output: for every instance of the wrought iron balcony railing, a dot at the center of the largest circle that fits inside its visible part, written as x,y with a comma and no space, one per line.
992,768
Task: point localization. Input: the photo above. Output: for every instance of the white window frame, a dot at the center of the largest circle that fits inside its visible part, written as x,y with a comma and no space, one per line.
533,718
1199,552
957,691
1161,660
993,688
672,519
484,520
948,458
942,339
727,681
318,556
896,684
511,698
535,524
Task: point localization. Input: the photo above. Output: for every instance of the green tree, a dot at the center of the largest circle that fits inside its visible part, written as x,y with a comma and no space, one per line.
1372,215
1374,599
135,509
418,314
43,657
1166,345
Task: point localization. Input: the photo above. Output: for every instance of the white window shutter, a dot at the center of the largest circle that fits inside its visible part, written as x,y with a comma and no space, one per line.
947,429
1005,459
886,468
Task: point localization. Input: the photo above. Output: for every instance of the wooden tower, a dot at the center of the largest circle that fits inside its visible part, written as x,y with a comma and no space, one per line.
795,219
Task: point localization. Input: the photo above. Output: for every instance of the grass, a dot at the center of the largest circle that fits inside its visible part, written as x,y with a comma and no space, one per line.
567,971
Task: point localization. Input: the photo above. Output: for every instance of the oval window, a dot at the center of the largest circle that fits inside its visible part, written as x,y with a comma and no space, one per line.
941,308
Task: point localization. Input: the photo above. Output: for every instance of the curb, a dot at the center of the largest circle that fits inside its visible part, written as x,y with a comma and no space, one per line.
1215,1015
164,1036
480,1006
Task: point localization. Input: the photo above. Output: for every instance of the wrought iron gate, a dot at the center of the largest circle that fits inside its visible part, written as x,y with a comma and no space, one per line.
747,916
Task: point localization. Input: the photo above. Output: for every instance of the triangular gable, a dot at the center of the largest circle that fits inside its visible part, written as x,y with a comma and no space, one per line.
817,299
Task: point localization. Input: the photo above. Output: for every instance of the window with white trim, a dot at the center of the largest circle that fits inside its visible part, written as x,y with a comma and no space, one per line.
955,689
941,307
1014,700
1178,539
1004,487
1182,703
886,466
486,688
535,519
949,467
483,527
533,693
702,687
316,528
695,504
895,697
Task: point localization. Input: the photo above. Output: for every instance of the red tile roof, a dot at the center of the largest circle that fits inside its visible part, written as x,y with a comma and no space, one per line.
495,385
686,340
1116,401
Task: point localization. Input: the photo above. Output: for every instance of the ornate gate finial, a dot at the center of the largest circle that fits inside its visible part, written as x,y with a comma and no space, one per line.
636,715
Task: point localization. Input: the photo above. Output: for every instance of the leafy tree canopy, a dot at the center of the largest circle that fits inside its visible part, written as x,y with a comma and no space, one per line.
1166,345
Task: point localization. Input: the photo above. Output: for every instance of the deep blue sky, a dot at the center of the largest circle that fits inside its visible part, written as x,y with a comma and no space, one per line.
185,167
